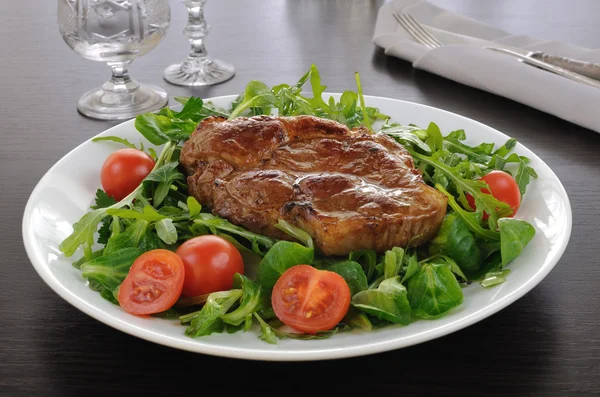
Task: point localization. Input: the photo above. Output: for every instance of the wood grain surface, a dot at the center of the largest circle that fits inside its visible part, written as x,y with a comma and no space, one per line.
545,344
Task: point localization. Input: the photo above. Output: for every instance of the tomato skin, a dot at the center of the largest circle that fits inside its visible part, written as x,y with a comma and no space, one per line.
210,264
123,171
310,300
503,187
153,284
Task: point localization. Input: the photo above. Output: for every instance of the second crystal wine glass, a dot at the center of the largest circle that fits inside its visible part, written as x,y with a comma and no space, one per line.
198,69
116,32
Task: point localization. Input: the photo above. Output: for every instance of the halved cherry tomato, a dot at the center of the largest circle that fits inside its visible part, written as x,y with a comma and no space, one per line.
310,300
153,284
210,264
503,187
123,171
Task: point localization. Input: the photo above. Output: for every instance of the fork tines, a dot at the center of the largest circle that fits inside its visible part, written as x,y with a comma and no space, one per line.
416,30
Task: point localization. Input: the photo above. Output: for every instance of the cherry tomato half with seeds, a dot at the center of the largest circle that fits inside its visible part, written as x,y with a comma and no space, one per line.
503,187
310,300
123,171
154,283
210,264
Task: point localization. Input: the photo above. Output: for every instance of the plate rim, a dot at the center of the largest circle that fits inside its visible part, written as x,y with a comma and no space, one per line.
305,355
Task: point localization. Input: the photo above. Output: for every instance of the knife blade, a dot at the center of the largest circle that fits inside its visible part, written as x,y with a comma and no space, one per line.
525,58
588,69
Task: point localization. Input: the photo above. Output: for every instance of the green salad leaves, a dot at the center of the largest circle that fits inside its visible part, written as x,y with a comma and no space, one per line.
398,286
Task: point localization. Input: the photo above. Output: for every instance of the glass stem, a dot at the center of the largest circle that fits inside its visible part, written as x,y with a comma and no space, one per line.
120,82
196,29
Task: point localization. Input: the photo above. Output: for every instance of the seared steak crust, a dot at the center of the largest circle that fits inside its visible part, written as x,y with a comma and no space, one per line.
348,189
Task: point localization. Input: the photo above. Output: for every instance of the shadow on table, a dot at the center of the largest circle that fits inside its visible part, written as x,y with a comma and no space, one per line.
505,354
399,70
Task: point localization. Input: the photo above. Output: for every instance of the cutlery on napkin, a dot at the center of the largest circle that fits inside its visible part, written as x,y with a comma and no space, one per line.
464,59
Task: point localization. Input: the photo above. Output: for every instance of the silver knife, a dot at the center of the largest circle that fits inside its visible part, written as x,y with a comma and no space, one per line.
583,72
591,70
526,58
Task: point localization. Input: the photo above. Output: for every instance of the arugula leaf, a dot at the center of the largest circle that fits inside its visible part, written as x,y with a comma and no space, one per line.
433,291
515,234
487,248
480,154
352,273
282,256
412,268
523,176
208,109
295,232
115,139
174,213
506,148
137,235
388,302
77,264
109,270
434,137
407,135
160,129
109,296
348,102
83,233
494,278
256,95
166,231
317,89
266,332
366,120
357,319
471,219
151,126
258,98
214,223
270,333
208,319
250,302
148,213
165,175
454,268
367,259
193,206
455,240
191,109
85,228
392,262
450,264
484,202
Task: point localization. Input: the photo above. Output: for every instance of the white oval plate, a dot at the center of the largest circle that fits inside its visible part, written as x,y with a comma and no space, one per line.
64,194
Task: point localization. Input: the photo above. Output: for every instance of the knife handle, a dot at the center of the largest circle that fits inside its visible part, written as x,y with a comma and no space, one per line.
549,67
591,70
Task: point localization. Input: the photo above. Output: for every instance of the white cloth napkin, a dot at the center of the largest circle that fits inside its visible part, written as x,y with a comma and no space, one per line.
464,60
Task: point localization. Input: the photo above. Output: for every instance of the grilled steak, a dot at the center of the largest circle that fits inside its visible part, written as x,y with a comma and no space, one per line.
349,189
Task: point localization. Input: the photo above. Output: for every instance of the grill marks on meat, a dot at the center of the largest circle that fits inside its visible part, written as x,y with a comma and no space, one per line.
348,189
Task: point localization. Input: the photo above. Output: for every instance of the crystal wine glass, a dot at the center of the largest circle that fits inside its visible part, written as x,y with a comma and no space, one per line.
116,32
198,69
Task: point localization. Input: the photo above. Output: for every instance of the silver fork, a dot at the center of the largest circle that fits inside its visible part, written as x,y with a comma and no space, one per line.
419,33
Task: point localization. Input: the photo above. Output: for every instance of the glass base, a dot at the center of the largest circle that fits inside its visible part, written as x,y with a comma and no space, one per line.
199,72
106,105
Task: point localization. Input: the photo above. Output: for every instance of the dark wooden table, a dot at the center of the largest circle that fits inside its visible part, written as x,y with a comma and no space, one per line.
545,344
